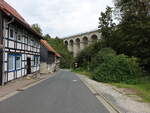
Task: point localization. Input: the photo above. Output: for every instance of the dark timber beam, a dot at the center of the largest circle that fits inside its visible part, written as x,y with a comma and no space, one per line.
1,48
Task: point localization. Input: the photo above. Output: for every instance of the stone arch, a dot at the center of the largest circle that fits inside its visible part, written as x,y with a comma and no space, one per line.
94,38
66,43
85,41
78,43
71,43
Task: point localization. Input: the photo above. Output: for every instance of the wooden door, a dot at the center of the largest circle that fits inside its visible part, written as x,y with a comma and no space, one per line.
28,65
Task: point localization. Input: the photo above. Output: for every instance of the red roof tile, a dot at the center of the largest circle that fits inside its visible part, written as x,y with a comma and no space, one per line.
7,9
44,42
4,5
57,54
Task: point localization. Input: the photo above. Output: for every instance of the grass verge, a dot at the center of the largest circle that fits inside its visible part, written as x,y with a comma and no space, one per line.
82,72
142,88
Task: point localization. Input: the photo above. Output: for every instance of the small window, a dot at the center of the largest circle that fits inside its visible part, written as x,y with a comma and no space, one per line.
36,60
19,37
29,41
25,40
11,62
18,62
11,33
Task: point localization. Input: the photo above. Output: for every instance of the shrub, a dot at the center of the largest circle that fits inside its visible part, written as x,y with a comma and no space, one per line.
119,68
84,57
99,58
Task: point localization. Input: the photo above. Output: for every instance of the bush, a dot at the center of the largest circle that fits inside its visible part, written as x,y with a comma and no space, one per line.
84,57
99,58
119,68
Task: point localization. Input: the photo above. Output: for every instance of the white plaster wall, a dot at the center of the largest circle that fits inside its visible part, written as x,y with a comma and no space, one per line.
43,68
11,44
19,74
18,46
10,76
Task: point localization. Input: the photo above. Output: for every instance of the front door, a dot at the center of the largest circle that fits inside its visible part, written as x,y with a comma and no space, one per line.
28,65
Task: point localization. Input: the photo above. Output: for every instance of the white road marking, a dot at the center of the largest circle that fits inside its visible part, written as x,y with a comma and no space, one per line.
74,80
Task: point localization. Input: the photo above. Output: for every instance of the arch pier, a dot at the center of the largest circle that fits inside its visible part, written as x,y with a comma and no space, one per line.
78,42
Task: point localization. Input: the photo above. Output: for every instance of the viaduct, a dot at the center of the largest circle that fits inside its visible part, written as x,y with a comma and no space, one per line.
76,43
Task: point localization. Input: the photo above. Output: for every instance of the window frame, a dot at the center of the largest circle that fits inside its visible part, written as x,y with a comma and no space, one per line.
14,62
19,35
11,70
13,31
18,55
36,60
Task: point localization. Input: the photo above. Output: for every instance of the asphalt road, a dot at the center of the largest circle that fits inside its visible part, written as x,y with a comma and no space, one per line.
63,93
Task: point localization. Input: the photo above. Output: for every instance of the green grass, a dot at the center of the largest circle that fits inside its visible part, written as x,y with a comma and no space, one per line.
142,89
82,72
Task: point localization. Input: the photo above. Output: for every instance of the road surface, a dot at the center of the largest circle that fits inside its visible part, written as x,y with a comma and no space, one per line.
63,93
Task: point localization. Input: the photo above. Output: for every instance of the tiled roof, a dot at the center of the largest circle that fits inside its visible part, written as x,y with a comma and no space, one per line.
8,10
57,54
4,5
49,47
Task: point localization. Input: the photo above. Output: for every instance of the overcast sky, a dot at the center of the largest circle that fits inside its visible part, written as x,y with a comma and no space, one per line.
62,17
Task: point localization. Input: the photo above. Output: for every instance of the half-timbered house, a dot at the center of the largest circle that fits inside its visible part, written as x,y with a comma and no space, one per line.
19,45
49,58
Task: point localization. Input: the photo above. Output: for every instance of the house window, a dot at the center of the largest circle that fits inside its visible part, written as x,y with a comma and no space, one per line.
14,62
36,60
18,62
25,40
11,33
29,41
11,62
19,37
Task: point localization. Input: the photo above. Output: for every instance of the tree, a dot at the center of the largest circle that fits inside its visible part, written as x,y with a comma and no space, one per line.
58,44
135,28
37,28
106,25
47,36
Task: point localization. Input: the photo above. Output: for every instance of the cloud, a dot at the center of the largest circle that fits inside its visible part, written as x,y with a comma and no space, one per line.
62,17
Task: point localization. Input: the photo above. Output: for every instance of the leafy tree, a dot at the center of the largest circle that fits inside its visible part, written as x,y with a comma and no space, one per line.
58,44
47,37
134,28
85,56
99,57
37,28
106,25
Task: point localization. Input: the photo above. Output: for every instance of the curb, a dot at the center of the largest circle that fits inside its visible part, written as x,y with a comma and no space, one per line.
100,95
